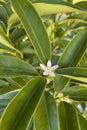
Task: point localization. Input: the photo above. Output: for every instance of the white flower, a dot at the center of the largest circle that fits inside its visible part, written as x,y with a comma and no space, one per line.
49,69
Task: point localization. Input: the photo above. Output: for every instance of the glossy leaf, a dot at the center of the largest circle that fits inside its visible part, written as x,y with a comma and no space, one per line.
78,46
72,55
46,114
77,73
68,117
41,116
45,7
11,67
74,71
34,28
52,111
23,105
78,93
60,82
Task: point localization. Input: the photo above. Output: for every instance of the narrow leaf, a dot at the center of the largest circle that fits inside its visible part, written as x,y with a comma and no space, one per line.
77,73
74,50
74,71
20,110
11,67
68,117
83,122
72,55
11,20
7,44
45,7
78,93
34,28
46,114
41,116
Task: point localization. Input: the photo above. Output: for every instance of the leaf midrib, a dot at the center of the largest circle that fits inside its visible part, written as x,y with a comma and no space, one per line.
32,32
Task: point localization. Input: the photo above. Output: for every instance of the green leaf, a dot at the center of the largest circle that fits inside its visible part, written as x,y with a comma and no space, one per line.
34,28
71,56
77,73
3,83
52,111
41,116
11,67
60,82
83,122
11,20
9,88
3,14
4,100
17,34
7,44
68,117
78,93
9,85
74,71
76,18
20,110
82,4
46,114
74,50
45,7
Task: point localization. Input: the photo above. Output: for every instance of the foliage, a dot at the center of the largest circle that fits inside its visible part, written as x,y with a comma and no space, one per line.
48,35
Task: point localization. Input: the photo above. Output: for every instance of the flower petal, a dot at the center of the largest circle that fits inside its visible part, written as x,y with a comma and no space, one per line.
49,63
45,73
54,67
43,66
52,74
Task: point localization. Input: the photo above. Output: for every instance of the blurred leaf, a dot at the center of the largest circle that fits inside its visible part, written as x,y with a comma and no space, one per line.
11,67
17,35
76,18
83,122
74,71
45,7
23,105
5,99
7,44
82,4
68,117
3,83
11,20
46,114
9,88
3,14
31,22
